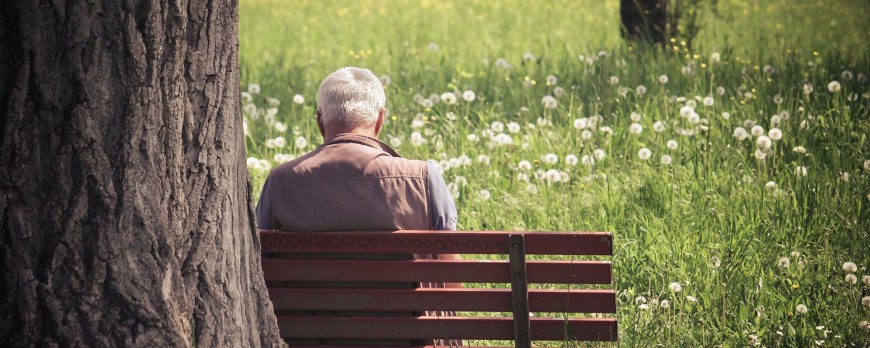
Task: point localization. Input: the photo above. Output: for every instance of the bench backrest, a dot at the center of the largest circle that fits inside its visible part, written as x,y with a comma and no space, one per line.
516,271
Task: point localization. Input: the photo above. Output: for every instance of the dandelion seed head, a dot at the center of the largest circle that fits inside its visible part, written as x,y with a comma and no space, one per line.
834,86
298,99
850,279
571,160
644,154
783,262
253,88
658,126
666,160
640,90
448,98
484,194
850,267
675,287
549,102
635,128
708,101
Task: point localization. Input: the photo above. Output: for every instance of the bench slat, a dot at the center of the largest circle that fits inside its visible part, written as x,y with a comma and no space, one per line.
429,242
469,271
547,329
478,300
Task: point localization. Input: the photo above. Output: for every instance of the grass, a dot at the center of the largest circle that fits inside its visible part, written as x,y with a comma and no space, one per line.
713,201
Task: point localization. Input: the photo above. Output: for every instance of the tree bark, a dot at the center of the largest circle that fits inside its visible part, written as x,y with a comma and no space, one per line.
125,211
644,20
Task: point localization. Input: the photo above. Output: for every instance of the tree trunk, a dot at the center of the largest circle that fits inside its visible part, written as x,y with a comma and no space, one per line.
125,209
644,20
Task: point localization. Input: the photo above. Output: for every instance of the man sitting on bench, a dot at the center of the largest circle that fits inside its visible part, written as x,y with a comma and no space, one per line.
353,181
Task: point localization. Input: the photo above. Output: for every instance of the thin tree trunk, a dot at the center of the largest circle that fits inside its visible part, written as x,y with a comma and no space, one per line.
644,20
125,211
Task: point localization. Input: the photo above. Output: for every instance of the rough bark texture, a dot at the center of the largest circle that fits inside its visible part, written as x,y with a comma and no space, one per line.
644,20
125,212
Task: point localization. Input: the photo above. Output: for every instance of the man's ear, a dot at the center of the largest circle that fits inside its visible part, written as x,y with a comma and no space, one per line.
380,122
320,124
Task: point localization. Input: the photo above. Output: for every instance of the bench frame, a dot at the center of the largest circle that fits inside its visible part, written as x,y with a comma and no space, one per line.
515,244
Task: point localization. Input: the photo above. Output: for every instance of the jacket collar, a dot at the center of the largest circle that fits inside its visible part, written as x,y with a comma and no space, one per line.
362,140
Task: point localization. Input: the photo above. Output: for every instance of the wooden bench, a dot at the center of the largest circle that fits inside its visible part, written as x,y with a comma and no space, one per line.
548,312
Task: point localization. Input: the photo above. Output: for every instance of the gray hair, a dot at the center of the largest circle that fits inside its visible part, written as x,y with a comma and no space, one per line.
350,97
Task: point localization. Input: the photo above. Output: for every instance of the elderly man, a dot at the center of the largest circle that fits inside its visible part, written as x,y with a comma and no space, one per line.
355,182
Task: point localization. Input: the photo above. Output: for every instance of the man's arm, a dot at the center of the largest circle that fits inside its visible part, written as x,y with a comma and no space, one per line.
442,210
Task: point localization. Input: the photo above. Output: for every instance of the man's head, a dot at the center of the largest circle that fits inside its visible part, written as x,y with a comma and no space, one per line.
350,100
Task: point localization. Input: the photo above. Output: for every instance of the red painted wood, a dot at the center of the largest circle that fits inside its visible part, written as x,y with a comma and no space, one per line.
476,300
547,329
466,271
434,242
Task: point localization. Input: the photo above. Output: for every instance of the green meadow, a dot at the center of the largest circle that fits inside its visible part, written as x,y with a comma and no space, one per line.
737,170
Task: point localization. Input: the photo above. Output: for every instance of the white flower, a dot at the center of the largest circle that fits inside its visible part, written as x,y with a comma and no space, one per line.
280,126
865,301
640,299
472,138
265,165
708,101
513,127
528,56
246,96
502,63
865,279
298,99
613,80
783,262
497,126
558,91
694,118
763,143
450,116
847,75
524,165
254,88
691,298
417,139
757,130
281,157
483,159
715,262
801,308
675,287
644,153
586,134
672,144
777,99
301,142
799,149
599,154
635,116
867,164
775,134
270,143
280,142
635,128
851,279
551,80
549,102
686,111
808,88
720,90
606,130
665,304
385,80
643,307
640,90
433,46
850,267
253,163
587,160
503,139
395,141
666,160
760,154
469,96
484,194
770,185
659,126
251,110
581,123
834,86
726,115
449,98
800,171
775,120
715,57
571,160
740,133
427,103
768,70
864,324
550,158
531,188
552,176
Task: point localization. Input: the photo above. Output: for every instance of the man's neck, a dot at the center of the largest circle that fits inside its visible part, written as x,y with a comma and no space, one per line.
364,132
